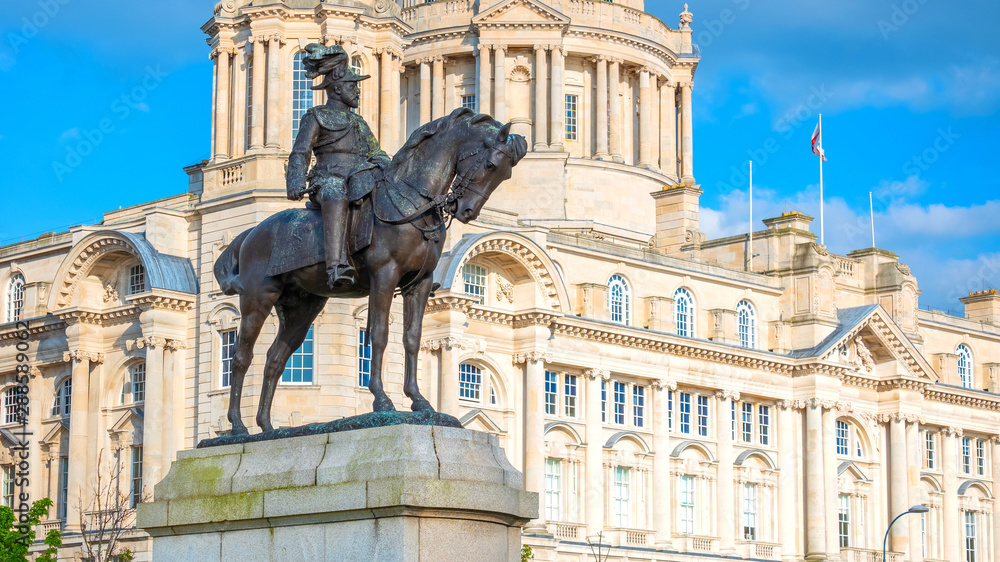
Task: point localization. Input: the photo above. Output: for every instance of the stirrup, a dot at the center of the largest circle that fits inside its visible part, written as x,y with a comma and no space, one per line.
341,276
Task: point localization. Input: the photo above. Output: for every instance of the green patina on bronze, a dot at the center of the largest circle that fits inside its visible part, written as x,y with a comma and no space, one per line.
364,421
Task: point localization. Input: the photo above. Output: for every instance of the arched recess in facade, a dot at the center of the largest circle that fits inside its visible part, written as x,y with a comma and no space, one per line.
162,271
512,246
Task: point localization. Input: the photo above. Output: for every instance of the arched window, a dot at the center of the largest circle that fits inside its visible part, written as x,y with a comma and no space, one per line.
619,300
15,298
965,365
684,312
134,387
848,439
15,404
470,383
747,319
61,405
302,94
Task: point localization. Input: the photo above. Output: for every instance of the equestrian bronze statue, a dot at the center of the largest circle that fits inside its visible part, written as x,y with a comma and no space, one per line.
371,227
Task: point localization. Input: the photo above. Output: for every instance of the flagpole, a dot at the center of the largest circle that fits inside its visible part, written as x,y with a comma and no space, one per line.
871,209
822,237
750,245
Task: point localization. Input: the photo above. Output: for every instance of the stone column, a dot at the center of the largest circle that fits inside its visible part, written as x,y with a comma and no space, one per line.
995,447
386,103
425,91
154,418
256,123
541,97
788,481
500,79
913,465
437,89
173,393
602,109
558,110
78,436
815,501
534,431
725,486
594,495
272,134
687,142
952,525
485,78
662,488
222,56
898,495
668,129
830,464
449,377
614,88
36,486
645,121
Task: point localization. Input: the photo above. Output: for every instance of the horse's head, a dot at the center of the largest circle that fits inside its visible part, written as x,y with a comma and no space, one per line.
484,166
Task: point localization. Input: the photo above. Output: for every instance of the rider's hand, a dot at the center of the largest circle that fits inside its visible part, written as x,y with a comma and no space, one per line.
296,194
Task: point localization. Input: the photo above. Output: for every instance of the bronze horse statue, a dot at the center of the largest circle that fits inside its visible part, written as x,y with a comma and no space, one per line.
448,168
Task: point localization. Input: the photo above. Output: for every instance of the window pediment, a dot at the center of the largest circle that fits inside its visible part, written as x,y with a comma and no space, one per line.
521,12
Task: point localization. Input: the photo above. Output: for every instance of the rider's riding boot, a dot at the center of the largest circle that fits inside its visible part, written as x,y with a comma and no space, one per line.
339,270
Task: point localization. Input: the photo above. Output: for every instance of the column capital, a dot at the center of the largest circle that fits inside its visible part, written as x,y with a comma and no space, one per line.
484,48
660,384
80,355
175,345
539,47
222,50
34,371
727,394
956,431
447,343
277,37
534,356
594,374
500,48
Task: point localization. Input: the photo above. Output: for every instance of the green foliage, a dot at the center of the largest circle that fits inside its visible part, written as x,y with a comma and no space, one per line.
125,556
14,543
526,553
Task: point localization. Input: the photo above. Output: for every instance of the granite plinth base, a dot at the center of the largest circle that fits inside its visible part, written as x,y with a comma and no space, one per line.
395,493
363,421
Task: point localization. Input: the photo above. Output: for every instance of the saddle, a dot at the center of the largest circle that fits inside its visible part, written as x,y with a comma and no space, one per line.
303,228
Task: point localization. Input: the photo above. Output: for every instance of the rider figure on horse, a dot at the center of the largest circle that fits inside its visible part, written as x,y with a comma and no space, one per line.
349,160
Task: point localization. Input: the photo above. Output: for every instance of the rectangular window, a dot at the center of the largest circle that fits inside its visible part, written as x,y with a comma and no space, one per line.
749,512
685,421
732,418
923,534
136,476
970,536
703,416
475,282
469,101
604,401
136,279
966,455
844,520
980,457
15,405
551,389
764,424
8,486
299,367
638,405
63,487
553,489
569,396
571,117
687,505
747,423
137,374
470,382
842,438
364,359
929,450
619,403
227,351
620,517
670,411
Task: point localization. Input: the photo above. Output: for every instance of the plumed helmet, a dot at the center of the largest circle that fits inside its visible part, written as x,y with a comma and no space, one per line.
331,62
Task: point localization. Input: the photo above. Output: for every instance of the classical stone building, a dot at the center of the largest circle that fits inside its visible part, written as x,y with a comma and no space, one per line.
653,387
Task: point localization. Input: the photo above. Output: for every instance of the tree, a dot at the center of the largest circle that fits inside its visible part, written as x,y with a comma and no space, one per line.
15,538
110,514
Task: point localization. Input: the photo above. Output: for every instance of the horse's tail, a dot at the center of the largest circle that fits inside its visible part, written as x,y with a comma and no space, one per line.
227,267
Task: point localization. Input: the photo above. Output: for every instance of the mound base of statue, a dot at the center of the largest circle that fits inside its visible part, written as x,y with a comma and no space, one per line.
363,421
397,493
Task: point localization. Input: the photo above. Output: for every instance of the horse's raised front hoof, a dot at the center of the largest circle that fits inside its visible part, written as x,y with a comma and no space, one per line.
420,403
383,404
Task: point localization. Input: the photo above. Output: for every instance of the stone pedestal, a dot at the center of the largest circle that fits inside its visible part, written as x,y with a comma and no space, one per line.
397,493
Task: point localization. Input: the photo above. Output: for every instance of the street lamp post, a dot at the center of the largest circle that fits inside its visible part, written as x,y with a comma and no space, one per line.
914,509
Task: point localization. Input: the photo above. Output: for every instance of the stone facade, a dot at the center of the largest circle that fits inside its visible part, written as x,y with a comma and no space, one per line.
649,383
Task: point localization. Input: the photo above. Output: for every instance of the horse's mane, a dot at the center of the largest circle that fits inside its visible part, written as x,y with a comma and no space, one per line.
460,116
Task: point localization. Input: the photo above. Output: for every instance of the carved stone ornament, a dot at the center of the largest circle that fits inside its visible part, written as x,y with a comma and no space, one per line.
727,394
532,357
110,293
864,359
594,374
81,355
505,290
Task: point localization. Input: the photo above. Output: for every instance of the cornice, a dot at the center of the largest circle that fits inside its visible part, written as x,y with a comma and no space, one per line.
156,301
939,394
37,328
449,301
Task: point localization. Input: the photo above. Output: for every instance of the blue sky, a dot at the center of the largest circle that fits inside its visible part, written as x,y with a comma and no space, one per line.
107,101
